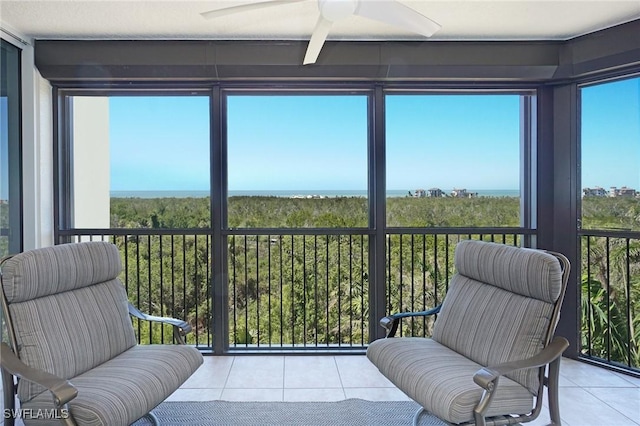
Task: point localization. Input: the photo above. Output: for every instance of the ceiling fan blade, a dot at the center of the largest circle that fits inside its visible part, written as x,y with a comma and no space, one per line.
397,14
254,5
318,38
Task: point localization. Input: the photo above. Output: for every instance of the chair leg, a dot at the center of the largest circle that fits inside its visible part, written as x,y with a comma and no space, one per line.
552,388
8,396
152,418
416,416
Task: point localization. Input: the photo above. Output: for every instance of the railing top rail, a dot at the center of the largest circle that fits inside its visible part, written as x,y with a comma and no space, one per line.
615,233
297,231
132,231
462,231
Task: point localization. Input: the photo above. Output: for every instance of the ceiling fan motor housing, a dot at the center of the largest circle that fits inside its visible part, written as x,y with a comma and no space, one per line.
336,10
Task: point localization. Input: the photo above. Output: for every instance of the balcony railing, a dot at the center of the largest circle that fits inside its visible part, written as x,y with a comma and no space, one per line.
610,291
288,289
298,289
420,263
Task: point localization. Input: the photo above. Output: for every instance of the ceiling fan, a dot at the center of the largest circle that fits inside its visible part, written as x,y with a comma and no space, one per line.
387,11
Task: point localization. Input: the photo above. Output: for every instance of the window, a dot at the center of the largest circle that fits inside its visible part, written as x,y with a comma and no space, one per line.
10,155
140,162
610,221
297,161
610,162
453,160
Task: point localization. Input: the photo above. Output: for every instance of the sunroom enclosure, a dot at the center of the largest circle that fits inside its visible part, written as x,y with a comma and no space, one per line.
295,272
401,262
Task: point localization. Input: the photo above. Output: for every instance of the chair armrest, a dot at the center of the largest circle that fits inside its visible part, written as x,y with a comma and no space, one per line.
180,327
390,322
486,377
61,389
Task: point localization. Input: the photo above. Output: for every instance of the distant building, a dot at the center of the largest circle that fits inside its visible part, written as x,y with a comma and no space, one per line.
594,192
463,193
622,192
420,193
436,192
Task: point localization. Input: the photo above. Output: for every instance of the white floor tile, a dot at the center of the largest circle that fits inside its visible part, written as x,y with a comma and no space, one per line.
195,395
256,372
359,372
589,395
213,373
579,407
624,400
252,395
320,395
308,372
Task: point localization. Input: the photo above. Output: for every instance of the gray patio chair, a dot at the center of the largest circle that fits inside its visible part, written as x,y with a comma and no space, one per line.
486,362
72,343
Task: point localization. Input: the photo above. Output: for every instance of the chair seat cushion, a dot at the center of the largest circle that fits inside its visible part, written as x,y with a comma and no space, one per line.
441,380
125,388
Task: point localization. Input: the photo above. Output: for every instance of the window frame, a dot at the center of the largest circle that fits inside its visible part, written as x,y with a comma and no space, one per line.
14,150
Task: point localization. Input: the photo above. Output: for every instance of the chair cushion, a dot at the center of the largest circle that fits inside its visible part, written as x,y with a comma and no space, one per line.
499,305
69,333
441,380
51,270
528,272
127,387
490,326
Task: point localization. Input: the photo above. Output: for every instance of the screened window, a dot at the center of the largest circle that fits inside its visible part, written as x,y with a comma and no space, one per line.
610,163
297,161
453,160
610,221
140,162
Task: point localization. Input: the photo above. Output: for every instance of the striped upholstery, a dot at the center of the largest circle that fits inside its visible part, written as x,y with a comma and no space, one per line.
53,270
69,333
528,272
498,308
128,386
499,305
69,312
441,380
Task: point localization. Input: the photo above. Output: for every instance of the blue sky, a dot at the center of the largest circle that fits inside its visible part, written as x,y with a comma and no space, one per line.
611,134
320,142
453,141
159,143
297,142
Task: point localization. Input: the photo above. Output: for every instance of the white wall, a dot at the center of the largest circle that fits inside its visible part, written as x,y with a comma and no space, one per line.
91,172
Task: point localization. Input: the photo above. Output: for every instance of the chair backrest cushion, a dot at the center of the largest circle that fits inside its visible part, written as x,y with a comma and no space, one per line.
499,305
68,309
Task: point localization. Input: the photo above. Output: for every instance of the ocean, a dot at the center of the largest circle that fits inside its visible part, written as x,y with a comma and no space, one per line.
298,193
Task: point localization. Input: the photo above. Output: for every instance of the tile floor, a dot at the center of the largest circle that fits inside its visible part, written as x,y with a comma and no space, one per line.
589,396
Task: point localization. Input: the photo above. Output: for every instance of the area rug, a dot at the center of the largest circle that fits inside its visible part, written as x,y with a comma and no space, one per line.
350,412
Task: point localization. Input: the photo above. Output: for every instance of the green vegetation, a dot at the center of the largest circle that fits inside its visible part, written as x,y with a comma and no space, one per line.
610,277
314,289
340,212
611,213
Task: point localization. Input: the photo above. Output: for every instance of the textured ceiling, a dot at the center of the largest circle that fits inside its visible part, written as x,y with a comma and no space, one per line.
460,20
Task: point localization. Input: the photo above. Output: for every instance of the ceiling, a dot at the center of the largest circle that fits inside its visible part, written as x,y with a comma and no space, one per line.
460,20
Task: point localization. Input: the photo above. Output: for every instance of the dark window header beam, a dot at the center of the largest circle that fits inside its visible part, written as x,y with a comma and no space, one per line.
462,61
